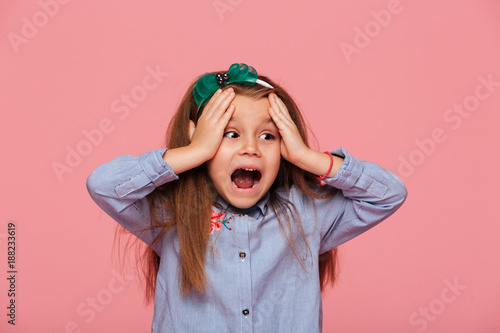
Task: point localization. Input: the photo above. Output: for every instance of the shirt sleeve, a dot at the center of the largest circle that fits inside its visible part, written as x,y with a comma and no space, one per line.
367,194
120,188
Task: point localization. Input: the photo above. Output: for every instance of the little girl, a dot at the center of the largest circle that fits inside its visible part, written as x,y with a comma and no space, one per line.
241,218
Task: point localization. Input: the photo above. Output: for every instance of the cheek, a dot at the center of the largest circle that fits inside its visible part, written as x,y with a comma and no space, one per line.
213,168
218,167
217,177
276,158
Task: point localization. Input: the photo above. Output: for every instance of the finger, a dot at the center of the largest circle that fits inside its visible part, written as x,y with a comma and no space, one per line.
220,103
220,125
276,107
224,120
281,119
221,106
276,115
285,110
280,105
211,101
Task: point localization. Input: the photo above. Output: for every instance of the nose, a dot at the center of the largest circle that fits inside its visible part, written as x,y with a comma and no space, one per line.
250,146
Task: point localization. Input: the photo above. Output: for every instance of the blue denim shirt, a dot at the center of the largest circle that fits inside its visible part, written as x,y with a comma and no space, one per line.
256,283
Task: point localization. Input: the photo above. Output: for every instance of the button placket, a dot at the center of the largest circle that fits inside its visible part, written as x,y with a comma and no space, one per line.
243,264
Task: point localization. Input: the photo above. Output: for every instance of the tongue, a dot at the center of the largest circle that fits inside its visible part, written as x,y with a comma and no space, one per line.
243,178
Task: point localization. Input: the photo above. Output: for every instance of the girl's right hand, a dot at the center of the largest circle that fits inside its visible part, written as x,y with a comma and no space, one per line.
207,135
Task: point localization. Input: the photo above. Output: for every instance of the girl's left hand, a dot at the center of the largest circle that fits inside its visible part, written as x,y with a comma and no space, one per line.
293,148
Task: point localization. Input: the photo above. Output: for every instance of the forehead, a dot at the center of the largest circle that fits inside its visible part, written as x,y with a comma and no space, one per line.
249,109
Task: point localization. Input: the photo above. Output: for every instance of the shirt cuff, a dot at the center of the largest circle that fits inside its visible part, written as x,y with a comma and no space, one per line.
355,174
344,178
154,170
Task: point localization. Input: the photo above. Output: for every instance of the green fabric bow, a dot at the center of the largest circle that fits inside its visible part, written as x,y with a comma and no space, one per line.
207,85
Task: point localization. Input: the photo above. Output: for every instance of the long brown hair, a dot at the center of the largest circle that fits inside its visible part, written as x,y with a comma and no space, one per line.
196,194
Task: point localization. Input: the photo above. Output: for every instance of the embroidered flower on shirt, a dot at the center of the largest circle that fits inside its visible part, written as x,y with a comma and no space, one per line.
217,221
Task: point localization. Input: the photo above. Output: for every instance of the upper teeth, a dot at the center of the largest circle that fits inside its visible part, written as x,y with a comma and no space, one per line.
246,169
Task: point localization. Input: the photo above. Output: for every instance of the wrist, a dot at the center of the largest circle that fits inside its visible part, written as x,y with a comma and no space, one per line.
327,173
198,154
319,163
309,161
184,158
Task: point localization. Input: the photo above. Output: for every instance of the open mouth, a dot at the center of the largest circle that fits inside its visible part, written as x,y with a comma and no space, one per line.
246,178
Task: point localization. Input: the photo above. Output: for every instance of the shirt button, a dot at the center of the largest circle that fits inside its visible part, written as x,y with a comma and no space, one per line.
246,312
243,255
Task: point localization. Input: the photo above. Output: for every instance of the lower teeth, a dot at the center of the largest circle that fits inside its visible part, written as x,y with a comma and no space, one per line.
255,183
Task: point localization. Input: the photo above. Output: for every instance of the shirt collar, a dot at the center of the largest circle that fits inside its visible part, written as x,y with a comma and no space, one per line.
255,211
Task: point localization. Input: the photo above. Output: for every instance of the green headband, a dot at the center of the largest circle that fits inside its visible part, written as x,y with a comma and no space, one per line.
208,84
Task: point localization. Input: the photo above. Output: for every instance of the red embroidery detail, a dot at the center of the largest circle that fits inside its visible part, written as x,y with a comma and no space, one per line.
216,221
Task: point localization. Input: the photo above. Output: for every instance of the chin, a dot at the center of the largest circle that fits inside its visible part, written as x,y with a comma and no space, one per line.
242,203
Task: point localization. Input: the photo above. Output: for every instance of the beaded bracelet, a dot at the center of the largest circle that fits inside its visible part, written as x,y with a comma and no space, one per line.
322,178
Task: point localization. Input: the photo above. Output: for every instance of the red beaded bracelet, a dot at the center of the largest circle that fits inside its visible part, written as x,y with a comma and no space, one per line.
322,178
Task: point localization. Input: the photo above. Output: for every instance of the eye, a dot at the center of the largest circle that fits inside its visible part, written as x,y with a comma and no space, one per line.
231,134
267,136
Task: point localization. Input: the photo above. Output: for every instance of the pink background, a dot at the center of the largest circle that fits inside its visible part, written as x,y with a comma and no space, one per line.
62,75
